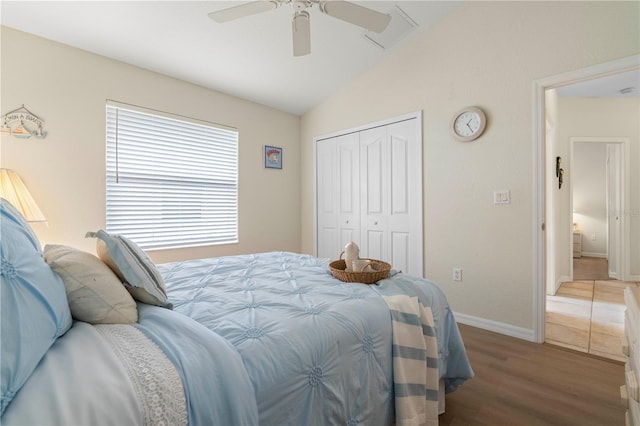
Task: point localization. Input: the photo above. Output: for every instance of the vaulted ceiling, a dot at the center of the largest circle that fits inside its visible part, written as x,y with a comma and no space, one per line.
250,57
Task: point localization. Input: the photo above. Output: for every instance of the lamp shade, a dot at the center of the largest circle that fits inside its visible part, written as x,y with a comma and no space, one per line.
14,191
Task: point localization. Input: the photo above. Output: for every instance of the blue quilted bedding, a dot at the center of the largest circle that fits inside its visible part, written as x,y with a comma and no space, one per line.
218,395
317,350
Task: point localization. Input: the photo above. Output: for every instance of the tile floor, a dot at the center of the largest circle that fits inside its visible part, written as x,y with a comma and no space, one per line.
588,316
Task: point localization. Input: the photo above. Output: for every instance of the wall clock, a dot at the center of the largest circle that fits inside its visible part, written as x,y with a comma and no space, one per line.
468,124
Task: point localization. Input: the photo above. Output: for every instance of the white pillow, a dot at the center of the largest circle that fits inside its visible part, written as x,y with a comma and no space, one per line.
96,295
133,266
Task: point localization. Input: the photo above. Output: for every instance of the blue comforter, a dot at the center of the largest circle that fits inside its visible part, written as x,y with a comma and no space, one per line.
317,350
216,386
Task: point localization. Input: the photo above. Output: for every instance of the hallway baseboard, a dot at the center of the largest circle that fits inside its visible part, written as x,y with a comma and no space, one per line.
598,255
496,326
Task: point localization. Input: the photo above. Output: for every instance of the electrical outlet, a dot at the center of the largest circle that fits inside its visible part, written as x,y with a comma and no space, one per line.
593,237
457,274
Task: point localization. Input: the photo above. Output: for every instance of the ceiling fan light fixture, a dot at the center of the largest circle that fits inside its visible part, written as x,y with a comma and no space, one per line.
352,13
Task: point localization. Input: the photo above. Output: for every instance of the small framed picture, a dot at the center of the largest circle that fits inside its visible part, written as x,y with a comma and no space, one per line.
272,157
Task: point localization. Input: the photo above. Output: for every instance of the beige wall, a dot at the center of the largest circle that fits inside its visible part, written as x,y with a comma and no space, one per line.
68,88
589,186
486,54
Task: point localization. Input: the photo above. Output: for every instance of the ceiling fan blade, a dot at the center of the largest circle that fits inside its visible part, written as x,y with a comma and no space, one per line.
369,19
243,10
301,34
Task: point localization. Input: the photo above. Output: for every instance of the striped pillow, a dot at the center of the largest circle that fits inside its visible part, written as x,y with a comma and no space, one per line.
133,267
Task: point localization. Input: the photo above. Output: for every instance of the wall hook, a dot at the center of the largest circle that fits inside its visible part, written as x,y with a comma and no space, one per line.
559,171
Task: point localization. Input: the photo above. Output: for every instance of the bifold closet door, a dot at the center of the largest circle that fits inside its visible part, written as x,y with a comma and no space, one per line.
369,190
338,180
391,195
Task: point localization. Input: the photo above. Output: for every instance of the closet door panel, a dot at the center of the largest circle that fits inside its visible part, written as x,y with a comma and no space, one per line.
374,190
399,174
348,188
374,248
400,251
327,206
405,211
349,178
327,243
373,154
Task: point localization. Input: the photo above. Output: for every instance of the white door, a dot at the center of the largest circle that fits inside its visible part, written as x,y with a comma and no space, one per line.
348,190
405,199
614,209
391,195
369,190
337,194
327,202
374,192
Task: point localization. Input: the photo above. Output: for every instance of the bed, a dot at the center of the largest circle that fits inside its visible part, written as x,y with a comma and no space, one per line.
268,338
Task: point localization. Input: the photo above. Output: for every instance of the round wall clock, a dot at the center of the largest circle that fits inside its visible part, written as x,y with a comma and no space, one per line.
468,124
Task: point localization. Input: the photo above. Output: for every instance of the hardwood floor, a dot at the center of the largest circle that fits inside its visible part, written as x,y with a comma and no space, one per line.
588,315
522,383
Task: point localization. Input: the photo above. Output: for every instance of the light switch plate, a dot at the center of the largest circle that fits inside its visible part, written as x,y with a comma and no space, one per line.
502,196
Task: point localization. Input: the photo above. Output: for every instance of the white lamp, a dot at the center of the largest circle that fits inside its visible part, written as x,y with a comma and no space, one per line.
14,191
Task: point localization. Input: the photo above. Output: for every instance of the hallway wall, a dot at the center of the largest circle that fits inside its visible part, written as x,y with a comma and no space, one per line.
590,196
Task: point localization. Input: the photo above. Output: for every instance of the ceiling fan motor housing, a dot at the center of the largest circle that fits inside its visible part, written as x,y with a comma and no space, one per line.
300,5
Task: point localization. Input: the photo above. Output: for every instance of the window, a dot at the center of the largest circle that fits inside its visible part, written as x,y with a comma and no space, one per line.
171,182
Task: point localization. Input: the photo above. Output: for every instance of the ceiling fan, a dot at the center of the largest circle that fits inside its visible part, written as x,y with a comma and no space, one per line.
350,12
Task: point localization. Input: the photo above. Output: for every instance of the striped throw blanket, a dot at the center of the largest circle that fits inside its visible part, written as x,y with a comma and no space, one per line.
415,354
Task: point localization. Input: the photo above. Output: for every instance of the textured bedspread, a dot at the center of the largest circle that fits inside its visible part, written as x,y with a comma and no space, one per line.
317,350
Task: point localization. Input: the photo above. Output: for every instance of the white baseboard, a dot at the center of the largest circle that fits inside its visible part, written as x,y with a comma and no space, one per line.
589,254
495,326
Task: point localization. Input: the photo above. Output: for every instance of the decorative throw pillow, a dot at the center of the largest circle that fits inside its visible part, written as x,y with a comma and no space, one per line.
95,293
133,266
33,304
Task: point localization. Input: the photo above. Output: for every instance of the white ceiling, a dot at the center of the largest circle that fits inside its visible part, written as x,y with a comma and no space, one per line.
250,58
624,84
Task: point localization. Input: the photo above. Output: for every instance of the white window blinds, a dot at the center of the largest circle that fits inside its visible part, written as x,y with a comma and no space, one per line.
170,182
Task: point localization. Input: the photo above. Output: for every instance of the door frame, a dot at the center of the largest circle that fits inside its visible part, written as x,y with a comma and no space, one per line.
539,192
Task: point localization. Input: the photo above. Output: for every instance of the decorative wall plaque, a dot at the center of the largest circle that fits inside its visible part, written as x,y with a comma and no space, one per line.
23,124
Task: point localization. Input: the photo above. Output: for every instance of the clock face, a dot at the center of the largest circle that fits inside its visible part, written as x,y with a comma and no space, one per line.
468,124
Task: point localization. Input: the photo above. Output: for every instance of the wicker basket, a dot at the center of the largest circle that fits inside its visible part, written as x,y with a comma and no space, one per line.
380,271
